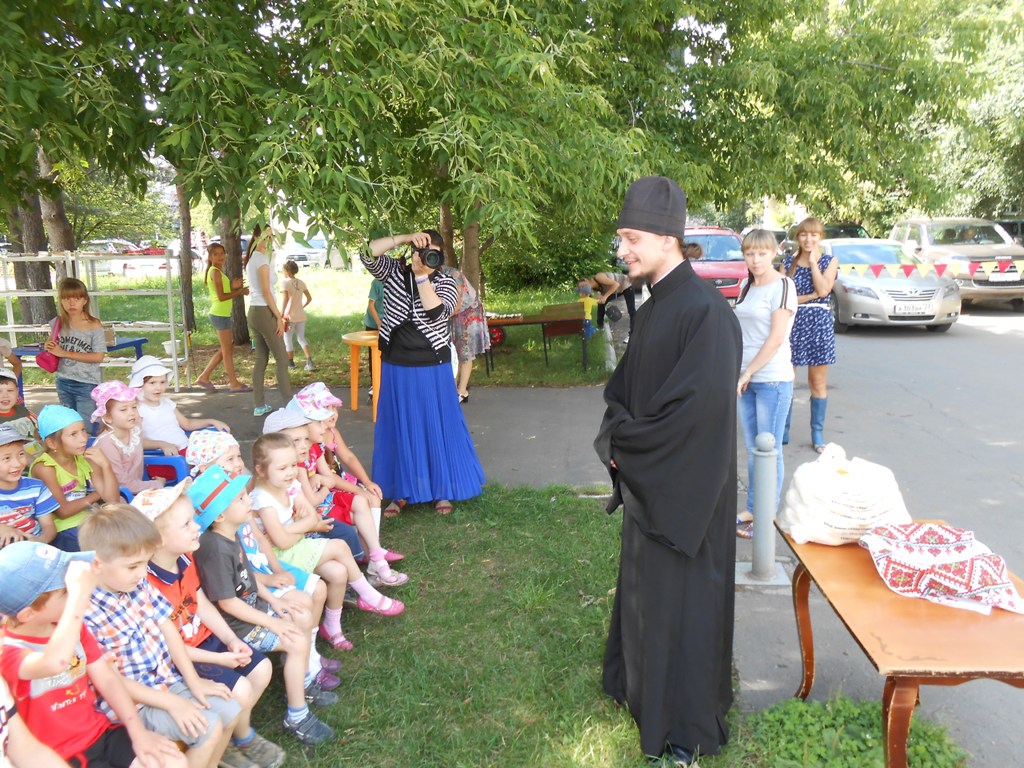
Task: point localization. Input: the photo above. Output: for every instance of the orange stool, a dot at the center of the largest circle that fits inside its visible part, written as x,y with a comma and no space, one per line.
356,341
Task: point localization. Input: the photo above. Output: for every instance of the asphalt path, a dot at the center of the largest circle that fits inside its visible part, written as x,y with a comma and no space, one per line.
941,410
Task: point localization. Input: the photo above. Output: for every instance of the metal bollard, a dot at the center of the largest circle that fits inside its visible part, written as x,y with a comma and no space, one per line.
765,463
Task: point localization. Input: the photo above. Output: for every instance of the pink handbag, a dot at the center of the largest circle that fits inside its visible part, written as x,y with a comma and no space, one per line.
47,360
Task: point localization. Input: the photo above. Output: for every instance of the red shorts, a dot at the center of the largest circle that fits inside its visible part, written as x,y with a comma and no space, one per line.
341,508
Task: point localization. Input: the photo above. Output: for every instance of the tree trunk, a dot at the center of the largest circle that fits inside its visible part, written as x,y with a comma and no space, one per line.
20,267
55,218
28,237
447,228
188,310
230,234
470,265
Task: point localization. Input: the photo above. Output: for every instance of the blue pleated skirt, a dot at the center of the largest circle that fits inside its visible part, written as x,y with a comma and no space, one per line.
422,449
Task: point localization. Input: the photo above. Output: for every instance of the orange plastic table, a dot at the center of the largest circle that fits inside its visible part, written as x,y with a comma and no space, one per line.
356,341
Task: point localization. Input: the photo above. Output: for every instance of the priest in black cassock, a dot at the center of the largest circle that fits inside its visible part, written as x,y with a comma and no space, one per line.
669,441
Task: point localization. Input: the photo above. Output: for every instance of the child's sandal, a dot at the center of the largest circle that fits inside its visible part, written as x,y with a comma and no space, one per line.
337,640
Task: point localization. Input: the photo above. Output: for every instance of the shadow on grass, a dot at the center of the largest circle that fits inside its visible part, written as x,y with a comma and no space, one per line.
497,658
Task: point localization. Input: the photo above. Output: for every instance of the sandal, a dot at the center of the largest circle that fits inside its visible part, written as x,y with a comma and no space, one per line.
394,509
394,607
745,531
382,573
819,448
207,385
243,388
338,640
443,508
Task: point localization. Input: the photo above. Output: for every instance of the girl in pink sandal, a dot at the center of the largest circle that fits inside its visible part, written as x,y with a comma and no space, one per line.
273,501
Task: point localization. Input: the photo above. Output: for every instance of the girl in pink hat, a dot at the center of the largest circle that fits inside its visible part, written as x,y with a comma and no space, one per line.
117,410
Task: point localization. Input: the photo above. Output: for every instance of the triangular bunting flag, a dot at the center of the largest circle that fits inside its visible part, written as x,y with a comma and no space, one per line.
988,267
940,269
1005,265
845,269
955,268
908,269
876,269
1019,264
860,269
972,267
924,269
892,269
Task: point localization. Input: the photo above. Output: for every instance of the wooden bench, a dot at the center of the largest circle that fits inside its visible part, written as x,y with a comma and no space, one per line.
912,642
554,320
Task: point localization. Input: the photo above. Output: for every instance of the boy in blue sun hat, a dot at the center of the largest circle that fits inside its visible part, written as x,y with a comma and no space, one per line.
26,504
55,668
265,621
78,476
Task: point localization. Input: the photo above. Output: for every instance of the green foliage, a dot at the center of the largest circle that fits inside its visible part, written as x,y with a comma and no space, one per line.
519,116
841,732
102,206
558,256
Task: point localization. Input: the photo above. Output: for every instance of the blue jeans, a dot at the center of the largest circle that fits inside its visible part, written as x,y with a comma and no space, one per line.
77,395
763,407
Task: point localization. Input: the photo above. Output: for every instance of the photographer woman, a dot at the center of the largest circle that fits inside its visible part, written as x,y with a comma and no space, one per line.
422,447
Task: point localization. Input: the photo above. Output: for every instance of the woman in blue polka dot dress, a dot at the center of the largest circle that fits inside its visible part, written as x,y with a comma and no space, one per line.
813,338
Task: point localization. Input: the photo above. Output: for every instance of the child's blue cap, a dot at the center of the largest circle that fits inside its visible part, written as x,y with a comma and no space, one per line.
584,290
212,492
29,569
54,418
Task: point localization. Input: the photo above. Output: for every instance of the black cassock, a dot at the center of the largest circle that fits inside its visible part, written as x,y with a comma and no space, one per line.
670,426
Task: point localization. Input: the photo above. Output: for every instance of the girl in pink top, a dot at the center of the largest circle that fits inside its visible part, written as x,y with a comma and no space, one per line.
121,442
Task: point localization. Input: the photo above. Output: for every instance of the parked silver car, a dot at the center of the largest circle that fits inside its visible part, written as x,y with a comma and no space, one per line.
917,299
968,240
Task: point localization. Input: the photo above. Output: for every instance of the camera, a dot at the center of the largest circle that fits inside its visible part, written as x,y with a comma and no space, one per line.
432,257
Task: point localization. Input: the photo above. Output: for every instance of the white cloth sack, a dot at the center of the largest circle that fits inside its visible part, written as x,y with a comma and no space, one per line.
835,500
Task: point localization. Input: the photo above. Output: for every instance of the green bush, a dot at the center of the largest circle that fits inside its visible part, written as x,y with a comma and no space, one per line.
839,733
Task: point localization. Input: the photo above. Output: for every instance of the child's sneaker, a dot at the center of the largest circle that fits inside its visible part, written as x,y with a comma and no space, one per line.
261,410
326,680
264,753
318,697
312,730
351,598
291,364
233,757
309,366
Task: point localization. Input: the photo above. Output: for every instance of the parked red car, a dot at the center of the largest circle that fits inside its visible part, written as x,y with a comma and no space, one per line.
722,264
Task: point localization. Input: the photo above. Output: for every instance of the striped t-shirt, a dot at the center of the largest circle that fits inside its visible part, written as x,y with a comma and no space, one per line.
22,507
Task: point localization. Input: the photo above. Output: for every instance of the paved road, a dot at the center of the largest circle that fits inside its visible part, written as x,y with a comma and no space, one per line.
942,410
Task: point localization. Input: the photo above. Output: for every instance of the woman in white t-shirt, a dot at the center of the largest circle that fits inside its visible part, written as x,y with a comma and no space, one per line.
765,308
266,320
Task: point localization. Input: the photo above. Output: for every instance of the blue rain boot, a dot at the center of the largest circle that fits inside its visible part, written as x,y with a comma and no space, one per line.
789,418
818,407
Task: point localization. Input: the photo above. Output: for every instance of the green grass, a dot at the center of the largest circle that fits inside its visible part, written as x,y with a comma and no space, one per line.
497,659
339,302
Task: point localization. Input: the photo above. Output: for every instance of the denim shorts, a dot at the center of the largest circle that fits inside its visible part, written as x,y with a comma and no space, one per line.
220,322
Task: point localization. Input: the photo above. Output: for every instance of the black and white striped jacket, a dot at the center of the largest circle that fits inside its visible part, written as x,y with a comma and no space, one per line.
402,302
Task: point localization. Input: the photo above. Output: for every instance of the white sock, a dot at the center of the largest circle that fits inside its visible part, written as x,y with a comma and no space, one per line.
314,655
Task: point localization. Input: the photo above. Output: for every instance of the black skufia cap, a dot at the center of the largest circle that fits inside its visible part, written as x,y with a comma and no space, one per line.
654,204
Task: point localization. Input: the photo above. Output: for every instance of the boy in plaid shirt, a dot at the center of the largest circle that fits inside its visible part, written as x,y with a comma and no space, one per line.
132,622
